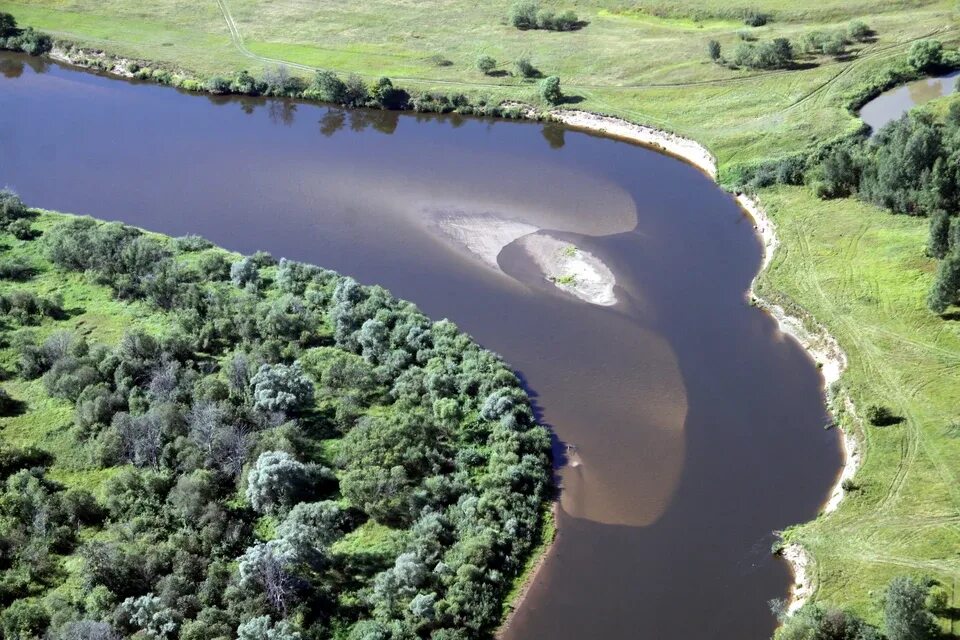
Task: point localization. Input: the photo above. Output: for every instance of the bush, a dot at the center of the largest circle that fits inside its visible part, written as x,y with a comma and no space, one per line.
858,31
190,243
218,85
713,50
879,416
525,68
776,54
486,64
21,229
550,90
523,15
756,19
388,96
925,54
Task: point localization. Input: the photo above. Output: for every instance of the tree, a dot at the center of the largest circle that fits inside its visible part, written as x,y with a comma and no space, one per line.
938,242
328,87
244,271
713,50
278,387
148,614
486,64
925,54
8,25
550,90
946,284
263,628
904,613
278,481
267,566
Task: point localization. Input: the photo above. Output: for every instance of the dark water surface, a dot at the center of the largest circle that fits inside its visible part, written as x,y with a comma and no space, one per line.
892,104
696,424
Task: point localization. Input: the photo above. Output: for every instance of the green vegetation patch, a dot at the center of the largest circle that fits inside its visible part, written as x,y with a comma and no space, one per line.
197,444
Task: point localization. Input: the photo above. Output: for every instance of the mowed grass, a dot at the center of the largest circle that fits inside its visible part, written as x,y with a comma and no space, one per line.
858,270
862,272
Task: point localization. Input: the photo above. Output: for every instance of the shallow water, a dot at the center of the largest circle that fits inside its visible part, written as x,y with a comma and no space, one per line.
695,424
892,104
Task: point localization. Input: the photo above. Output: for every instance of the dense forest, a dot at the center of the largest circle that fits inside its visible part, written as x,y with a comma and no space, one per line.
196,444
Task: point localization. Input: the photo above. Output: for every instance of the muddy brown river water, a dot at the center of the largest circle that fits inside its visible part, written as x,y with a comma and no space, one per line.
688,428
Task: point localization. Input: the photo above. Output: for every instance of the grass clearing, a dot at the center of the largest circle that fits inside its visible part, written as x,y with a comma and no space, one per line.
859,271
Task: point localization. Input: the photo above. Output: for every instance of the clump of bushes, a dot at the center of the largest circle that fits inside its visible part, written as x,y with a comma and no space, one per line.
830,43
27,40
775,54
527,14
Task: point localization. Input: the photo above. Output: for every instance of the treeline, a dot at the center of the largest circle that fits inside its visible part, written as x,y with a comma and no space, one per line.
326,86
909,613
287,454
911,166
782,53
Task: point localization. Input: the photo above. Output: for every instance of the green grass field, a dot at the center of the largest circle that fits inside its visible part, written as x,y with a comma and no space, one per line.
858,270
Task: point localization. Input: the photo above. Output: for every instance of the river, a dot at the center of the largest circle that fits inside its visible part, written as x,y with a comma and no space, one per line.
694,427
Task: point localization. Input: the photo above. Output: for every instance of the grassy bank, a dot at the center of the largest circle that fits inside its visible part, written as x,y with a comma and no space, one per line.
857,270
862,272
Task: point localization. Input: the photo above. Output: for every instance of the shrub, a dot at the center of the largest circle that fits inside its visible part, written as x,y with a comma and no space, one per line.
858,31
550,90
190,243
387,96
525,68
756,19
218,85
879,415
21,229
523,14
925,54
486,64
713,50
